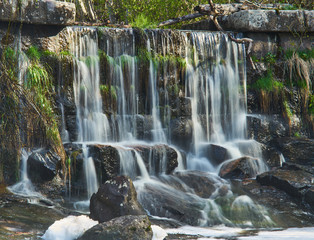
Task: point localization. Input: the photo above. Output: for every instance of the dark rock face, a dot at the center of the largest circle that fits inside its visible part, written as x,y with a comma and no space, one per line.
295,180
296,150
121,228
42,166
264,129
107,161
115,198
272,156
158,159
181,132
217,154
241,168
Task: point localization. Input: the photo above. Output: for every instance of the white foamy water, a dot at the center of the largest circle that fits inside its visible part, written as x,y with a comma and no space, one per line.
69,228
222,232
306,233
158,233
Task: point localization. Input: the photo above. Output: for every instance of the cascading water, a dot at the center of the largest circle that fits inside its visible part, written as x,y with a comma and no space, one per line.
92,123
215,87
24,187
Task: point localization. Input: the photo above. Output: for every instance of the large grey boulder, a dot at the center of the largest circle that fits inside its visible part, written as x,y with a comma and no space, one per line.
121,228
241,168
38,12
115,198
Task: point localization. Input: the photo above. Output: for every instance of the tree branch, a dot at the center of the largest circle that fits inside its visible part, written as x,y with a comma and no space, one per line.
180,19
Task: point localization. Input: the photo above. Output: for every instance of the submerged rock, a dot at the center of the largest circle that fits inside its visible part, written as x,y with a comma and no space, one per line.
202,183
115,198
42,166
284,209
241,168
125,227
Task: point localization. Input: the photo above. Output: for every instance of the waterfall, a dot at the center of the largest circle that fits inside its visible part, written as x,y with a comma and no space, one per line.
158,133
92,123
135,115
24,187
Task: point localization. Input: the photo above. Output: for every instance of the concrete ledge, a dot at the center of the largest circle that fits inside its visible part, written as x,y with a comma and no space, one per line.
262,21
48,12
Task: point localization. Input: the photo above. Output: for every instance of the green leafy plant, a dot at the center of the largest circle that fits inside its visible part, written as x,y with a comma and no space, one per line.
141,21
33,53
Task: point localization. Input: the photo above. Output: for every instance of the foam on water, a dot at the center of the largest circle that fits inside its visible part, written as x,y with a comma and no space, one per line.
158,233
69,228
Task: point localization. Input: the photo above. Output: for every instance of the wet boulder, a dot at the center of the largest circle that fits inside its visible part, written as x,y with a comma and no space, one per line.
42,165
241,168
296,150
115,198
295,180
181,131
125,227
272,156
216,153
203,184
106,159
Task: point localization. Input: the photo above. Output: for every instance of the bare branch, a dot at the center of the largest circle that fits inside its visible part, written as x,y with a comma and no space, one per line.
180,19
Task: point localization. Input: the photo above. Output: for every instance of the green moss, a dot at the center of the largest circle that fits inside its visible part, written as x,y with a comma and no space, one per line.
65,53
104,88
47,53
287,109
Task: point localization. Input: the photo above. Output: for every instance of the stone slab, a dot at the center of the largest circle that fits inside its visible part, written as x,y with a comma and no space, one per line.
261,21
48,12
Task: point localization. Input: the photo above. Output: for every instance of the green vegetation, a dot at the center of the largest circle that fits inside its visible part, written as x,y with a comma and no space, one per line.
39,82
287,109
142,22
33,54
106,90
147,13
268,83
